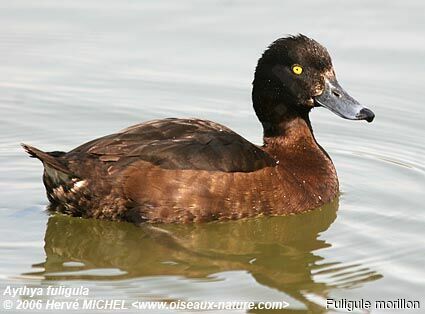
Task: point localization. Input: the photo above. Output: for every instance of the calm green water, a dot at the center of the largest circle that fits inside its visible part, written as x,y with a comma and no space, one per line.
74,70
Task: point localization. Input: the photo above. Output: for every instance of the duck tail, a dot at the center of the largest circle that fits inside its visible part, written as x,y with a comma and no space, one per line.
49,159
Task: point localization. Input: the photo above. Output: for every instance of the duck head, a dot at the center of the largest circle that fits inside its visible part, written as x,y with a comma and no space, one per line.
294,75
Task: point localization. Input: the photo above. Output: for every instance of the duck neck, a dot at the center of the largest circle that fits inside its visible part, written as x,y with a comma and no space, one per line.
291,129
292,142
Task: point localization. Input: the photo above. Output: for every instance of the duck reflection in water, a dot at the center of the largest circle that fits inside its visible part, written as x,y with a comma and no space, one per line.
279,252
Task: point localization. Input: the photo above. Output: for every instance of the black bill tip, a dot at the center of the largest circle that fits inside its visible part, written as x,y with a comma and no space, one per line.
366,114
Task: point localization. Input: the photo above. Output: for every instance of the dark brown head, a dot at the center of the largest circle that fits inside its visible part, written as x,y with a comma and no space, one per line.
294,75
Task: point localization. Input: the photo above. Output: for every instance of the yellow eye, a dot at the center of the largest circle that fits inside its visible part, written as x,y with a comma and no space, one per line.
297,69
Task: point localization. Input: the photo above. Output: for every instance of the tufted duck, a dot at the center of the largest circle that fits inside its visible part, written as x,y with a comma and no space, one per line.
191,170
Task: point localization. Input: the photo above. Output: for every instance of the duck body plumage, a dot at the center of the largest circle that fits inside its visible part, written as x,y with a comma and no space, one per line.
184,170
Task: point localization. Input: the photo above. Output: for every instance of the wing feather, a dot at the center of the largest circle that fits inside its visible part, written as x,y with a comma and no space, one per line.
179,144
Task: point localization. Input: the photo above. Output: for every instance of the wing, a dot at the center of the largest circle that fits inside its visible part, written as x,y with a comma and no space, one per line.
179,144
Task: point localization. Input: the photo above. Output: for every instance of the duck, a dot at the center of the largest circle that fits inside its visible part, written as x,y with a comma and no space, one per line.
179,170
